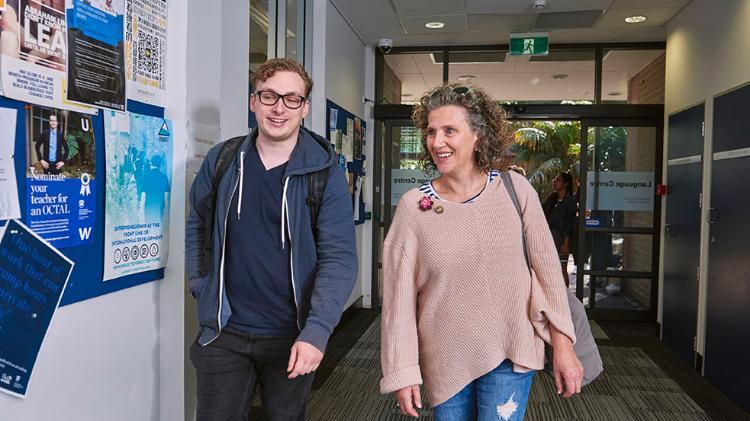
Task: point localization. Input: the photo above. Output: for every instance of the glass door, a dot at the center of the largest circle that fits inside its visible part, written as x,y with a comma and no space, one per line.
619,216
399,173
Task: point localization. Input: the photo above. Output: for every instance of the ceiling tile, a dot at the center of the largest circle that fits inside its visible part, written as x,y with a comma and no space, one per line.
419,7
656,17
500,23
541,86
648,4
453,23
567,20
524,6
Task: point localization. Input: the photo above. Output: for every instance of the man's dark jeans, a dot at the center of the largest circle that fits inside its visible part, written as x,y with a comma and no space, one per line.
229,368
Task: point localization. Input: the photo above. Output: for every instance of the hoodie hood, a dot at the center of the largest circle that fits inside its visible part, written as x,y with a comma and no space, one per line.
312,153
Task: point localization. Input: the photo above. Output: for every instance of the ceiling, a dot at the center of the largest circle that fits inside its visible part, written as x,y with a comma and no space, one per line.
475,22
488,22
517,78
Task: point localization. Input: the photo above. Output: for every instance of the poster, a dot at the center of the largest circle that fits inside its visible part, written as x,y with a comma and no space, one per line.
145,50
620,191
34,53
96,57
139,170
202,138
60,173
33,276
9,206
404,180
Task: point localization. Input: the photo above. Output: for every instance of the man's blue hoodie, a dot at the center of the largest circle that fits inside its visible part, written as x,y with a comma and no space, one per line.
323,274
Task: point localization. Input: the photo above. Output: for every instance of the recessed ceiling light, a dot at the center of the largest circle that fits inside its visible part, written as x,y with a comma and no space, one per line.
614,93
635,19
560,76
464,78
434,25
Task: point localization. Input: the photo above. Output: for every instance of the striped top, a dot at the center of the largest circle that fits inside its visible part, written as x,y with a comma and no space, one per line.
457,296
428,189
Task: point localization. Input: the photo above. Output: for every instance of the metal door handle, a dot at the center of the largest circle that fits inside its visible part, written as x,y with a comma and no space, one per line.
713,215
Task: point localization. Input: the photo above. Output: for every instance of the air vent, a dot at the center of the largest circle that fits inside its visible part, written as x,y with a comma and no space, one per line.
471,57
567,20
565,55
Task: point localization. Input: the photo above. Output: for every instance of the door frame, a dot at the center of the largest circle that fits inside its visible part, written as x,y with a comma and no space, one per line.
654,230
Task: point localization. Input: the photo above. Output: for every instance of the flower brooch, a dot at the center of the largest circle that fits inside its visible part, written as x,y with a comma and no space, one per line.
425,203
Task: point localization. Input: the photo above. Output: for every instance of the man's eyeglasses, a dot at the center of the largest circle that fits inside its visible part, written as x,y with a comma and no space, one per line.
270,98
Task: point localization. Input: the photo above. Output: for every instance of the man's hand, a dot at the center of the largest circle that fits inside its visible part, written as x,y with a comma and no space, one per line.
59,165
408,399
304,359
44,163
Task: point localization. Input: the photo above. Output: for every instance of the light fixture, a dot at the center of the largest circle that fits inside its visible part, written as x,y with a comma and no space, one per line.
635,19
559,76
465,78
539,4
434,25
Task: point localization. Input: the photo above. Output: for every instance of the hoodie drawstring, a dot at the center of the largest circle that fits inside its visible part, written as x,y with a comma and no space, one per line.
239,199
284,215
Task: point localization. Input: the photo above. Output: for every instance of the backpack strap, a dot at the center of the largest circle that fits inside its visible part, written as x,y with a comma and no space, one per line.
227,153
316,186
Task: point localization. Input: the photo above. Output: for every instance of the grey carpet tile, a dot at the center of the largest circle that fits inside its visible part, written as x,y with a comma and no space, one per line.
632,387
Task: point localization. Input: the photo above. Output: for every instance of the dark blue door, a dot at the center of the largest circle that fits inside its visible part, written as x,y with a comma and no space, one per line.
682,231
728,306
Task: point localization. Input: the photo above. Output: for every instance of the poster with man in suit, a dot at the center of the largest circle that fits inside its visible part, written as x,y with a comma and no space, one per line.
61,176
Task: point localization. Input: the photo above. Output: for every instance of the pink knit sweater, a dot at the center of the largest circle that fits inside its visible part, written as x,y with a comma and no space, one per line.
457,296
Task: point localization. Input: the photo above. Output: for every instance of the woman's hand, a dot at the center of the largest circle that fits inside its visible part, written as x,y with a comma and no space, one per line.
568,369
408,398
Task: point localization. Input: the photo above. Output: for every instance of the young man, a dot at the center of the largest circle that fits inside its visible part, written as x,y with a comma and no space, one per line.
276,284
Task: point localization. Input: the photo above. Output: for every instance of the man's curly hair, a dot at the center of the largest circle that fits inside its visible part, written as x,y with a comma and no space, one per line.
485,117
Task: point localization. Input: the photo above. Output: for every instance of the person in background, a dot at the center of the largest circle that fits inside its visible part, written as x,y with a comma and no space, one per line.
560,210
517,169
461,311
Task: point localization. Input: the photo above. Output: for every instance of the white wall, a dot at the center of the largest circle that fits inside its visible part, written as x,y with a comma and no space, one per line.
707,55
349,75
107,358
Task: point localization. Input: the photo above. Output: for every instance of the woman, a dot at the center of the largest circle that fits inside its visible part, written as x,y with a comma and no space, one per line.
560,211
459,307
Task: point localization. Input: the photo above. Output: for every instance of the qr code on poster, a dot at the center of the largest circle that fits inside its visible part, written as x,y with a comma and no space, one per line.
149,56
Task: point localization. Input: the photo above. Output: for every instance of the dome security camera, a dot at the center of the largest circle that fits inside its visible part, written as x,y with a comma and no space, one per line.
539,4
385,45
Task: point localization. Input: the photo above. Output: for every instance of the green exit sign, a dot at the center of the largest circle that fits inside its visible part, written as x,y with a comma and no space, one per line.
529,44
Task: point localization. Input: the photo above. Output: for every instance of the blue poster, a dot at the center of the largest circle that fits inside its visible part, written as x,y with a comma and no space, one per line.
33,276
60,188
139,171
96,56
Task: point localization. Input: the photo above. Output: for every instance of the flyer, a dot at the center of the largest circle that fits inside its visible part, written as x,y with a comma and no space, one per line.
9,205
139,169
96,53
145,50
33,276
34,53
60,176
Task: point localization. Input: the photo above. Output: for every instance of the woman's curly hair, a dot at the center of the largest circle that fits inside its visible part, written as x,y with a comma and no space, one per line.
485,117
